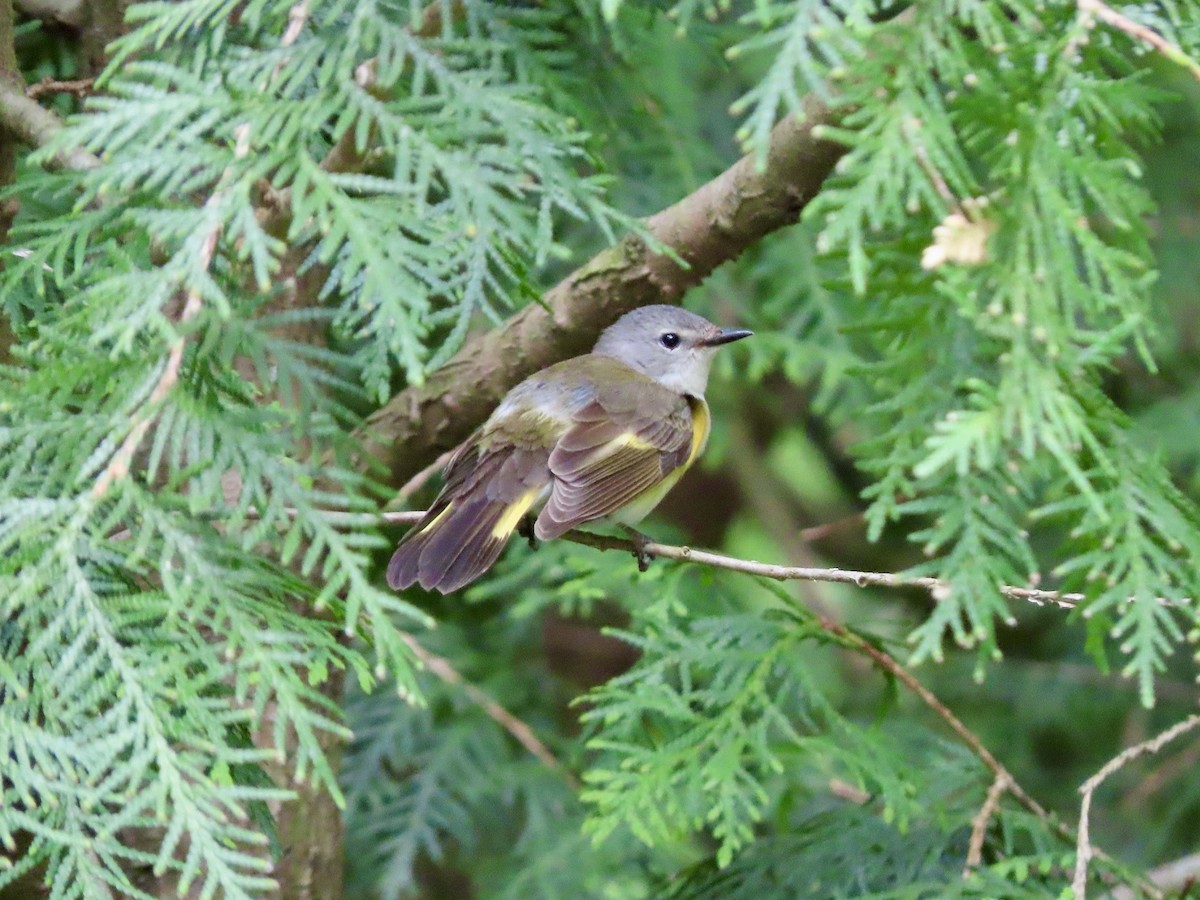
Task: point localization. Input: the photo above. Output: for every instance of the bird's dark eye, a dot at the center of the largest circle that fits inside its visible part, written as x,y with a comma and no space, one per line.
670,340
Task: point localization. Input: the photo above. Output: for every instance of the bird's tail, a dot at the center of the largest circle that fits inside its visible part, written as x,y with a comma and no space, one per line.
456,544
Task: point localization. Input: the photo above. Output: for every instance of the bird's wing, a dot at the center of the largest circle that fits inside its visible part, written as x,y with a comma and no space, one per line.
617,448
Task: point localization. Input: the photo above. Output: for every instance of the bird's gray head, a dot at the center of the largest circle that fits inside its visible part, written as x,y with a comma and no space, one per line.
671,345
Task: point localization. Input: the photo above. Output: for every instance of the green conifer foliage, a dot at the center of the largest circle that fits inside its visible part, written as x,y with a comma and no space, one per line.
275,215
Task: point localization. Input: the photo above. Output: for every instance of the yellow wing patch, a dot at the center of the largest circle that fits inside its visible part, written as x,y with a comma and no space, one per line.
628,439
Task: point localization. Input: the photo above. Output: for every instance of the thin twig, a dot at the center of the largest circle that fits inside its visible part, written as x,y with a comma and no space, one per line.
816,533
936,586
297,18
419,480
79,87
443,669
1084,850
1167,771
910,127
892,666
1139,32
979,824
118,466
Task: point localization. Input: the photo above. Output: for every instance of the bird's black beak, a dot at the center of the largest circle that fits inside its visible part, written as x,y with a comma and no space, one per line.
726,336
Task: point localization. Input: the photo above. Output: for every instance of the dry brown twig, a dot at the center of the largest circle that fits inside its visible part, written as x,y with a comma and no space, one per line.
937,587
1167,771
423,477
524,735
815,533
80,87
911,127
1084,851
979,825
118,466
893,667
1096,9
1003,777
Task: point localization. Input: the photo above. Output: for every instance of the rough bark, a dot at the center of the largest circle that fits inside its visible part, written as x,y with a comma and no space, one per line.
9,74
29,122
311,828
711,226
64,12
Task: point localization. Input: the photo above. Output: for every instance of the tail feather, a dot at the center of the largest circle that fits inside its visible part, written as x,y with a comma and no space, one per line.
458,545
404,567
465,547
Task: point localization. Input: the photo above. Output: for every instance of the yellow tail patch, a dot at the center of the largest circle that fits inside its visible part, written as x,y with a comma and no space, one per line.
511,517
433,522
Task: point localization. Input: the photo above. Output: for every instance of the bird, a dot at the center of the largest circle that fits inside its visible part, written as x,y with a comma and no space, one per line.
602,436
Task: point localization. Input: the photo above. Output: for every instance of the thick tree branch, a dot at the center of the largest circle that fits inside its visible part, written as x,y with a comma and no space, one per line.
65,12
33,124
711,226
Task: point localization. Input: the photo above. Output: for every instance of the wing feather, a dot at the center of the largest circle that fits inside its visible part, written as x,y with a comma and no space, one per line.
610,457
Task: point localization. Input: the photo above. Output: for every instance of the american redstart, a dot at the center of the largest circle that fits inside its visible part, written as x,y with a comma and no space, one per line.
599,436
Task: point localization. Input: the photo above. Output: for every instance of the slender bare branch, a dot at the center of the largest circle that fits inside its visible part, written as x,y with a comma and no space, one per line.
423,477
893,667
80,87
1097,9
979,824
118,466
443,669
1084,851
936,586
815,533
